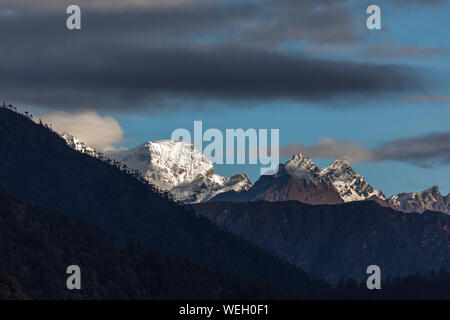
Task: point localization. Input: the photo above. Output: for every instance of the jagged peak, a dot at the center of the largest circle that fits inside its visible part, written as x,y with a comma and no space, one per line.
340,163
348,183
77,144
301,166
339,166
429,199
434,190
300,158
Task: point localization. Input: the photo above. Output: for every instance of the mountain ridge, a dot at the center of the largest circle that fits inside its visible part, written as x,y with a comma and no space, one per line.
300,179
306,182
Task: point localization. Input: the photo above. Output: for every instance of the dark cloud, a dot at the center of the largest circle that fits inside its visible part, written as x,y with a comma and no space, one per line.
96,68
425,151
103,76
258,22
137,53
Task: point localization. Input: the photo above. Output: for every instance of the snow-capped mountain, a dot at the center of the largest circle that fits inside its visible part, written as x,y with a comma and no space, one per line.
77,144
302,167
430,199
350,185
190,177
300,179
180,169
172,166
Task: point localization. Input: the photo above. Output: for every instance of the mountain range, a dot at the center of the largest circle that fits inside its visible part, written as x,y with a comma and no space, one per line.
185,173
60,206
300,179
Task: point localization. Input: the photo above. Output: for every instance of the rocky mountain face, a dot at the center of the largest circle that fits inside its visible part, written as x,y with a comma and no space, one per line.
430,199
180,169
283,187
300,179
350,185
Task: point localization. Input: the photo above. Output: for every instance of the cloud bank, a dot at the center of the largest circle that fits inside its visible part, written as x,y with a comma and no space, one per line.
160,54
100,133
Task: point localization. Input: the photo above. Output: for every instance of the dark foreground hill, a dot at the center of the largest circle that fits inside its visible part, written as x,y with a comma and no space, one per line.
39,168
36,248
10,289
340,241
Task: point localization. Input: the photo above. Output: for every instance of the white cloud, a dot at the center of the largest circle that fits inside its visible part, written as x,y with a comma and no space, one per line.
100,133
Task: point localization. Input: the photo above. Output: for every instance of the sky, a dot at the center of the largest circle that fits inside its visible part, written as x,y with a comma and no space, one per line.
137,70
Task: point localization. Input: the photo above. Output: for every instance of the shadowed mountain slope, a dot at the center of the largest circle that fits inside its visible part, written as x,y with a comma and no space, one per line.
340,241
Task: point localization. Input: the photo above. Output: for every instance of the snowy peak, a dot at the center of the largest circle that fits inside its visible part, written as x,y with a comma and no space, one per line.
353,187
174,163
77,144
340,164
172,166
301,166
350,185
340,175
430,199
339,170
177,167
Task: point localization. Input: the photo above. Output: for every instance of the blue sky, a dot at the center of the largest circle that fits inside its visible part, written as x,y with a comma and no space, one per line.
414,35
382,120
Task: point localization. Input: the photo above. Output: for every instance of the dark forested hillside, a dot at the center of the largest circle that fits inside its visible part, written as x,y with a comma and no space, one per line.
36,248
10,289
340,241
39,168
